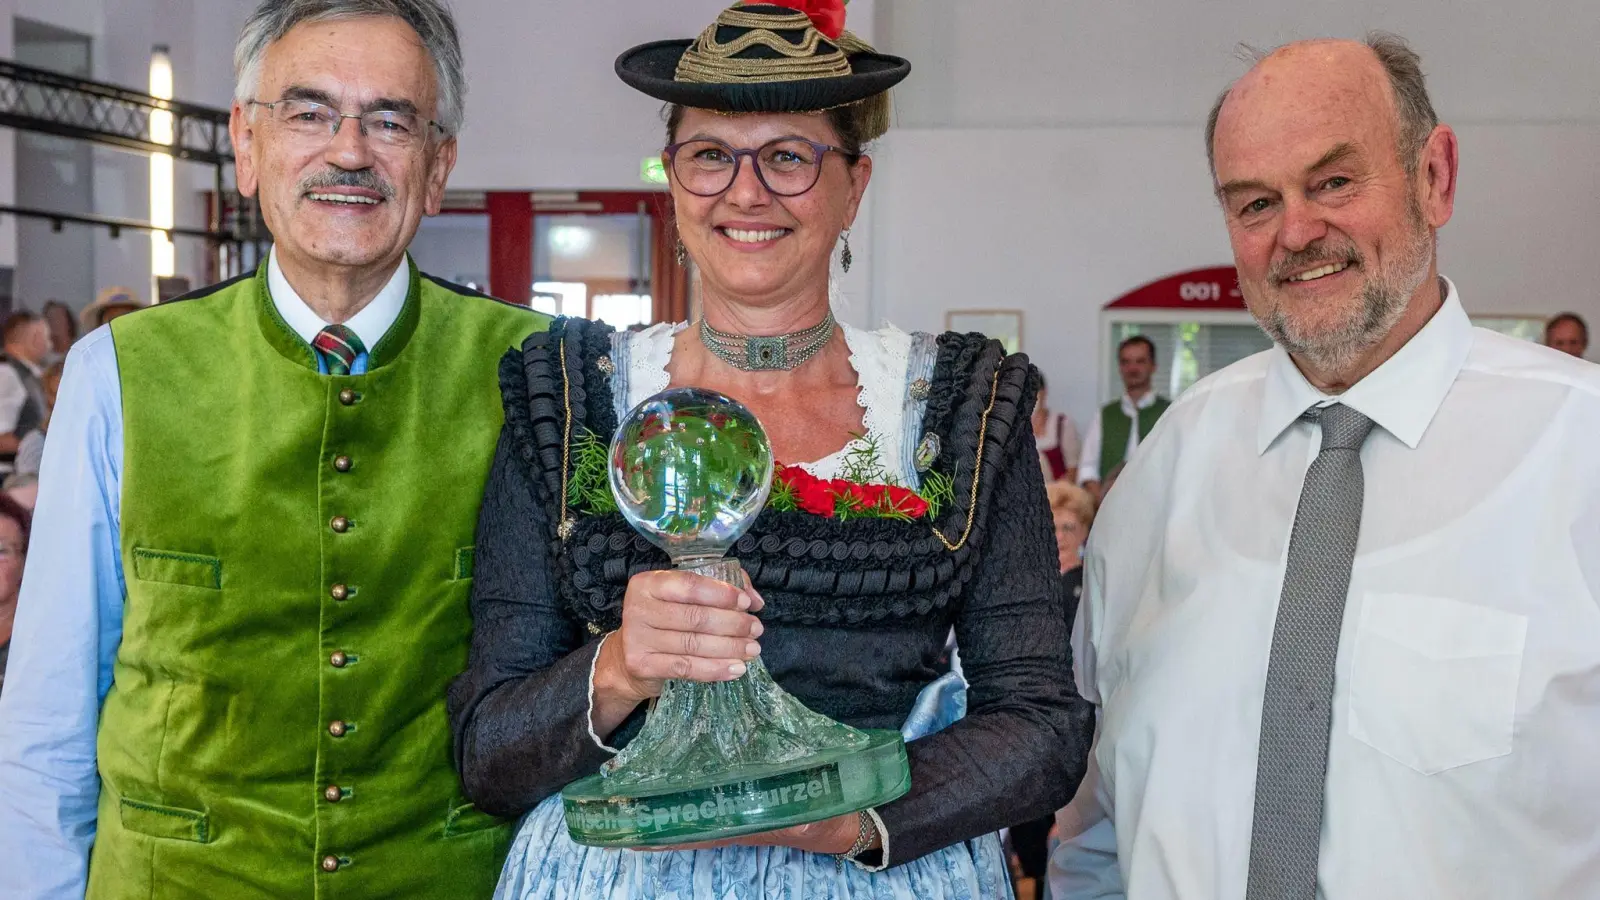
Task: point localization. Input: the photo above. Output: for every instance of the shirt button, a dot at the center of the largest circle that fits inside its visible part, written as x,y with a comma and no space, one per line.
338,659
330,863
340,524
337,728
333,793
342,463
339,592
348,398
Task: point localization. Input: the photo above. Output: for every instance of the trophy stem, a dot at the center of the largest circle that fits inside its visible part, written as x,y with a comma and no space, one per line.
696,730
720,568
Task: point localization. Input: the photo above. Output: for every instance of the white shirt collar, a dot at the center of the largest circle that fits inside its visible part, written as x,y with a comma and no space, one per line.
1401,395
370,324
1131,408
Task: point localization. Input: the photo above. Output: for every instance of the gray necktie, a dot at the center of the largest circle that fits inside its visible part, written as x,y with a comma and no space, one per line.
1297,711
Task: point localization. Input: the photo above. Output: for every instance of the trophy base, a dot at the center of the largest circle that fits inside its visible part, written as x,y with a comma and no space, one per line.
740,801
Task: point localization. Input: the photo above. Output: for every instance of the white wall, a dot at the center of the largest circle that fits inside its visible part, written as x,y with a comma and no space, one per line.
1025,63
1050,156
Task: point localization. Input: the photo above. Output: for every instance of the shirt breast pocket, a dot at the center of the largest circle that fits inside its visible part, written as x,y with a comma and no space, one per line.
1433,681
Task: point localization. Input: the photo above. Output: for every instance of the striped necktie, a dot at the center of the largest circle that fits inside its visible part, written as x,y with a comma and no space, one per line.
338,346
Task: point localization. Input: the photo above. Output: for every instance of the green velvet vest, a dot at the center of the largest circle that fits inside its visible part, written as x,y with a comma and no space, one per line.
1114,427
297,550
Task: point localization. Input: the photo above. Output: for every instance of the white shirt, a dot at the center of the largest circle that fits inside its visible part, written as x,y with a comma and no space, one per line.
1464,760
369,324
14,395
1089,468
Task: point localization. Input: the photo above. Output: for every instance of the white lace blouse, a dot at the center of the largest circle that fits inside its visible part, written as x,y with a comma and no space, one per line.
893,369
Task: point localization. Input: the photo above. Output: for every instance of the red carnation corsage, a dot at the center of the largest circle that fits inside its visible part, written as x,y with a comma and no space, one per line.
793,488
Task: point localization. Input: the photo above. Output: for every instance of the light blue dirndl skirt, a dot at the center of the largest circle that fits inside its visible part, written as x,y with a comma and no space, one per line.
545,864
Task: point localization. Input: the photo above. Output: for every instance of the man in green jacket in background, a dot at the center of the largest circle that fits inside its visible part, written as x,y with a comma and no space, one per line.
1119,427
247,590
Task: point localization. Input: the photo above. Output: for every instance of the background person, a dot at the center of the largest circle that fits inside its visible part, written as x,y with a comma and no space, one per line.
30,450
1567,332
1057,438
112,303
63,328
14,521
1335,628
23,405
762,201
1116,432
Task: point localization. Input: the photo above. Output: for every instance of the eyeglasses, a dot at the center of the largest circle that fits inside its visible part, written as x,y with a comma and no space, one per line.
787,167
314,122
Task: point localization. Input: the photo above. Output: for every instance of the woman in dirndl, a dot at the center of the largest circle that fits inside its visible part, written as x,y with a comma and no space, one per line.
912,506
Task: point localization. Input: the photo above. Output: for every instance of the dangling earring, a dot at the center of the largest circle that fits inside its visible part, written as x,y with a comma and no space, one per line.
681,254
846,258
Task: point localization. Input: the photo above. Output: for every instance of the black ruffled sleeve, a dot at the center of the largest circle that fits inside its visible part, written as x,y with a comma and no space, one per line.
1022,748
520,713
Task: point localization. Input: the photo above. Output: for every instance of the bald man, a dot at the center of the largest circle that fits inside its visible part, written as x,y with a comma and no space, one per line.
1344,637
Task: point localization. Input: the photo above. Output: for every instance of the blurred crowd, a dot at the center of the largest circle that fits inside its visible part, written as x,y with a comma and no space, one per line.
35,348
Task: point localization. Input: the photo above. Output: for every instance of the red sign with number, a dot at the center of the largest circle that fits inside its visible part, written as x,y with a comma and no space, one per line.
1198,289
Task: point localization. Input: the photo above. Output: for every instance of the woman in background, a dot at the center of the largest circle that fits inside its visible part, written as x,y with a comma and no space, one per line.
63,328
1057,437
14,523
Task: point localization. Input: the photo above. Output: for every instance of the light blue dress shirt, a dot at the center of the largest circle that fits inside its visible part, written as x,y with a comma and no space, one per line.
69,616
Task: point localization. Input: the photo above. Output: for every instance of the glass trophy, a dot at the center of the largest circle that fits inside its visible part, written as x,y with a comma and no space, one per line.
691,470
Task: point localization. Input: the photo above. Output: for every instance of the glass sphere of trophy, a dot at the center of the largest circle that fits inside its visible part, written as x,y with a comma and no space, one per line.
691,470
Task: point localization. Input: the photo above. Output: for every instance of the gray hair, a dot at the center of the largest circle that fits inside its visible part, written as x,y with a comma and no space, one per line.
430,19
1413,108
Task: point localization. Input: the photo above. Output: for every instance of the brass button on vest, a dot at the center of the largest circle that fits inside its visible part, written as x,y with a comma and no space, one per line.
333,793
341,463
340,524
348,397
339,592
330,863
338,660
337,728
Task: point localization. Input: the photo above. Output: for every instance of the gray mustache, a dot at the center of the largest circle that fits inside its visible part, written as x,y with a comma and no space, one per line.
1313,257
365,179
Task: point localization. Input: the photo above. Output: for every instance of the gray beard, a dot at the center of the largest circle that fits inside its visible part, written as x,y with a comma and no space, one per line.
1384,299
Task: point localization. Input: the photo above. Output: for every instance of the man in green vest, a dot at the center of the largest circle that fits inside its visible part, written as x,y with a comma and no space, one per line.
247,587
1120,426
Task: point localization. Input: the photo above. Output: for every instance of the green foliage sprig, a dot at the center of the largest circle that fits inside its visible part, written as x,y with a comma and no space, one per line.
589,487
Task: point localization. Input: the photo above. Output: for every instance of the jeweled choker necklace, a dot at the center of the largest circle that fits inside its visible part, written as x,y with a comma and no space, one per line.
778,352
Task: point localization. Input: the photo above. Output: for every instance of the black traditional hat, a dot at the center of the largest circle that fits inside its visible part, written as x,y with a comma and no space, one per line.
780,56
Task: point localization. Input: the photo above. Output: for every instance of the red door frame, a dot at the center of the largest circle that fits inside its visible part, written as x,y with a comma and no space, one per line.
511,227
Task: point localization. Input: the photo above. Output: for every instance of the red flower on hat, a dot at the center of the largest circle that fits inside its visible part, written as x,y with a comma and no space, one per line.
827,15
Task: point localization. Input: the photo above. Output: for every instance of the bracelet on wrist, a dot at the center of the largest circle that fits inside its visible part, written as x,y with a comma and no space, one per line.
870,825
